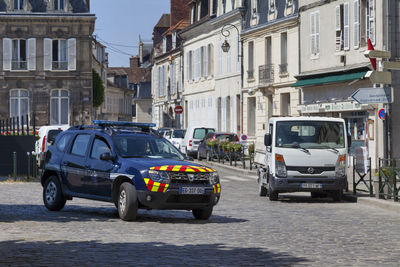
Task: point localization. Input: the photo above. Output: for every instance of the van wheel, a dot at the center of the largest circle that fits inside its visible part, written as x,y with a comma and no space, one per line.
262,190
127,202
53,197
273,195
202,214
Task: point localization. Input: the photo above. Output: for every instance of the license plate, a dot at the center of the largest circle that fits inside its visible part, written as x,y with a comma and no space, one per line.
191,190
311,185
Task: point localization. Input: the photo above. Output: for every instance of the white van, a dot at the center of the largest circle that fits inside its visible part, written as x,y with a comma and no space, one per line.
193,136
305,154
47,136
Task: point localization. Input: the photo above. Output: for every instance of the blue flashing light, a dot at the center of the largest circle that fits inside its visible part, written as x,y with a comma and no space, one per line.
123,123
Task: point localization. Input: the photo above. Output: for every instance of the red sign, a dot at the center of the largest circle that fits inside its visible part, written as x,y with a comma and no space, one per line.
372,60
178,109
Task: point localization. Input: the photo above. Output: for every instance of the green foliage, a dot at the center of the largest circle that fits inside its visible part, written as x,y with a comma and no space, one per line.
224,146
98,90
211,142
251,149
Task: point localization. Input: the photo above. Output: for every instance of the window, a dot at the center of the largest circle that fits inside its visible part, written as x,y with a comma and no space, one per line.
342,27
164,46
210,60
99,147
19,4
19,52
173,39
80,145
356,9
191,64
283,65
172,78
219,58
59,5
314,33
233,4
63,142
289,3
223,6
254,10
205,64
370,15
59,107
60,55
228,59
271,6
19,103
250,71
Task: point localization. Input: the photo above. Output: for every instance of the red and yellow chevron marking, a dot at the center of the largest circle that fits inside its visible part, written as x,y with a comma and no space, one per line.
182,168
155,187
217,188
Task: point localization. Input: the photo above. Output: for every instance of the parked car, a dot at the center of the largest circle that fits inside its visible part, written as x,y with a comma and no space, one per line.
163,132
202,151
130,168
47,136
193,137
176,137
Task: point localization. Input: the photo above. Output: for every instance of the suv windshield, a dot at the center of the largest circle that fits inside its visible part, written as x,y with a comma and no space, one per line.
133,146
178,134
309,134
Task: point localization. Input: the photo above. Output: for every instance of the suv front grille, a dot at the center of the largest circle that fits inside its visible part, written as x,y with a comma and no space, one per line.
182,178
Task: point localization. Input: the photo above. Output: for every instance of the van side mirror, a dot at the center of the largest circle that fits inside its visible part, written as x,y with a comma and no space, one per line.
267,140
51,139
106,156
349,141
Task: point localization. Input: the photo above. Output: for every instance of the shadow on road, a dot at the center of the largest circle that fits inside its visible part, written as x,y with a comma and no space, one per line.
288,198
57,253
12,213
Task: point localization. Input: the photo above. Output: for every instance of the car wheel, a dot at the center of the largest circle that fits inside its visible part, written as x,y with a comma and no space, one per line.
262,190
202,214
337,195
198,156
273,195
127,202
53,197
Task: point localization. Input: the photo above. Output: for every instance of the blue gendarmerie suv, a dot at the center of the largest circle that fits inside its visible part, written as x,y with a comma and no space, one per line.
126,164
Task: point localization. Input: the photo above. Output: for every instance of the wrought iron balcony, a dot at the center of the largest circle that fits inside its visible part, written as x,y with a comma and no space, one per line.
283,68
60,65
266,74
19,65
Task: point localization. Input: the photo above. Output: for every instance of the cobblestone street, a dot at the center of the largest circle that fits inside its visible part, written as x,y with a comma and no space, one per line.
243,230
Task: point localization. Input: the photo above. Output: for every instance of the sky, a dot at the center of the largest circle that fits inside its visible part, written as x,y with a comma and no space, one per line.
120,22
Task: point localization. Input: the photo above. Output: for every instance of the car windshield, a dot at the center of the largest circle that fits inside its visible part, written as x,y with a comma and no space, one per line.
310,134
133,146
178,134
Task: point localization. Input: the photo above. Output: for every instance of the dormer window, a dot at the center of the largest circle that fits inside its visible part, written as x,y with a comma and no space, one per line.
164,48
173,39
223,6
254,8
271,6
59,5
289,3
19,4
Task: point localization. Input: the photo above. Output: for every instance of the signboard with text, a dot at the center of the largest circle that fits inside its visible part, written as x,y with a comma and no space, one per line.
377,95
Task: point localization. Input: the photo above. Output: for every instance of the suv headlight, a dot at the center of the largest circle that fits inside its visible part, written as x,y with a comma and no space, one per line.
214,178
280,166
340,169
159,176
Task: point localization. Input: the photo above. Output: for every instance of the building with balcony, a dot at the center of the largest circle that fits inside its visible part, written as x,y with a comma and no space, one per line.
271,62
46,60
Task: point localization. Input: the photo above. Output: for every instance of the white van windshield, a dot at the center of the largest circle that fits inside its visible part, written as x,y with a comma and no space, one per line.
310,134
199,133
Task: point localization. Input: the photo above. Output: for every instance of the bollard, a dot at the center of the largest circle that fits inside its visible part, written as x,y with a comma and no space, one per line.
15,165
29,165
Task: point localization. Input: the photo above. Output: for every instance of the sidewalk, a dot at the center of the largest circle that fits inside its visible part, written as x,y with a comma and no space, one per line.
360,197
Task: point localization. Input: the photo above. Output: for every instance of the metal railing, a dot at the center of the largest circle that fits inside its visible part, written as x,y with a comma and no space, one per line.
19,65
266,74
389,178
60,65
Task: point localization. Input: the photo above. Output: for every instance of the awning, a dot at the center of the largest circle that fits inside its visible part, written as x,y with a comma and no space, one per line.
330,79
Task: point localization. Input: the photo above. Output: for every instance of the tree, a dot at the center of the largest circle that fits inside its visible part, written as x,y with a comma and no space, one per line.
98,90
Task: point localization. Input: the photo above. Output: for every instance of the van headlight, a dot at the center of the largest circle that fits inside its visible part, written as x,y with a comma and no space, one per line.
160,176
340,169
214,178
280,166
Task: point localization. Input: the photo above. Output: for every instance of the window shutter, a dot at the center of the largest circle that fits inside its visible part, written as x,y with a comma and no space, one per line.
238,54
71,54
31,54
228,59
372,21
172,78
317,32
346,34
205,65
312,33
187,67
7,53
198,63
219,58
47,54
356,24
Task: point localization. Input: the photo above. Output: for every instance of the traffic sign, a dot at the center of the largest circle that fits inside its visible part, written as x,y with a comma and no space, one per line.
373,95
377,54
244,137
379,76
382,114
391,65
178,109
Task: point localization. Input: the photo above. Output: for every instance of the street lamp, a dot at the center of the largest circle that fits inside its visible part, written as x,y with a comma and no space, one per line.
226,33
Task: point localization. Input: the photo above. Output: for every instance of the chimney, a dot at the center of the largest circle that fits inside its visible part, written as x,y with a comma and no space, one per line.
134,62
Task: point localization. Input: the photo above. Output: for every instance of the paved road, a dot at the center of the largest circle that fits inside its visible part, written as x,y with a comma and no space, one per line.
244,230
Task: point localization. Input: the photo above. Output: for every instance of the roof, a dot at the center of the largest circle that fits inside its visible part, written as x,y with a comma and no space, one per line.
164,21
138,75
182,24
116,71
330,78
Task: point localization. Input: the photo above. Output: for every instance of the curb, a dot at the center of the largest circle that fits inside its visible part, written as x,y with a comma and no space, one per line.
388,205
227,167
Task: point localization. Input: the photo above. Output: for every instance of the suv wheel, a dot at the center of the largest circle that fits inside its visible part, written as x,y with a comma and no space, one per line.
53,197
127,202
202,214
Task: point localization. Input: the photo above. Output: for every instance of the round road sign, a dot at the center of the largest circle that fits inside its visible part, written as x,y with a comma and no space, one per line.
244,137
382,114
178,109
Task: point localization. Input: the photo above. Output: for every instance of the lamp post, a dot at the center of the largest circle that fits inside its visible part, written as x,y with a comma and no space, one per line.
226,33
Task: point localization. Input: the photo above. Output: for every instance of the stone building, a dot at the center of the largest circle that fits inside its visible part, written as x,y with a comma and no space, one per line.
46,60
